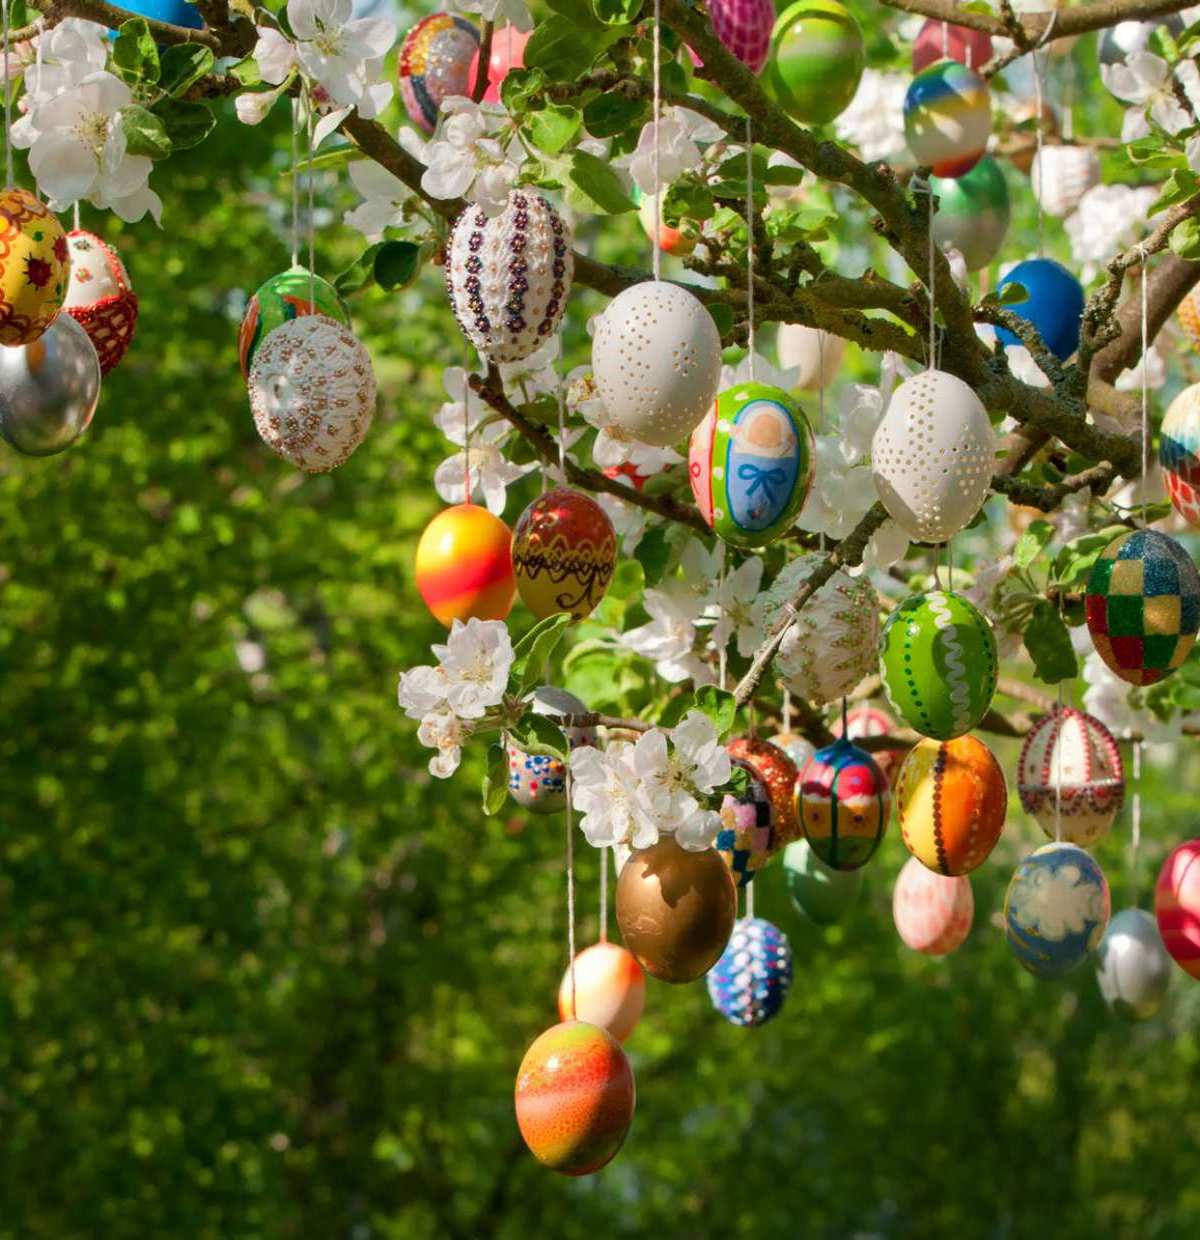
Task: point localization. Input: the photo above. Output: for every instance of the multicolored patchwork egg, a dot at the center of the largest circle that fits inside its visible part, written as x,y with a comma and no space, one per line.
1061,175
844,802
973,212
1056,909
35,267
932,912
608,989
937,40
938,661
464,565
1177,906
509,275
824,895
744,27
1143,606
1179,451
744,839
867,720
797,747
100,298
751,464
778,774
434,63
1053,304
751,980
1070,776
951,800
574,1098
948,118
564,550
1132,966
508,53
814,354
817,60
287,296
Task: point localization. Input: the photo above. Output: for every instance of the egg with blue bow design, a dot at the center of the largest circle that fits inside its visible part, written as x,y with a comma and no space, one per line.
751,980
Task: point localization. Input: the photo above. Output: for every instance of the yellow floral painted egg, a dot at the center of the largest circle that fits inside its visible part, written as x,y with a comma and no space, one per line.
35,267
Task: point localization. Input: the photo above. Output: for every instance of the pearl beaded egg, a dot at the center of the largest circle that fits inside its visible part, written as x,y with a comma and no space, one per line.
751,980
289,295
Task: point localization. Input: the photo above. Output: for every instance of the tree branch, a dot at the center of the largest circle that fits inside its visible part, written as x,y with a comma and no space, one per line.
1030,27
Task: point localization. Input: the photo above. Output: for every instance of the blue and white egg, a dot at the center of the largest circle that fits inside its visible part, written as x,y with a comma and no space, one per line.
538,781
751,980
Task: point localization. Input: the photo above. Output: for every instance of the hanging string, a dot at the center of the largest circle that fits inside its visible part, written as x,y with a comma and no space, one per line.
312,229
1135,833
466,438
1058,745
937,565
750,899
723,654
8,155
821,379
295,103
604,894
949,566
750,242
570,886
845,719
932,296
76,214
562,434
787,710
1145,393
946,43
1037,153
654,244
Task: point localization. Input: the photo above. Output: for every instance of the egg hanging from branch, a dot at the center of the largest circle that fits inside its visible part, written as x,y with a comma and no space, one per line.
608,988
1177,906
1052,303
464,565
941,40
817,60
744,27
751,980
564,551
291,294
1179,450
973,212
1133,968
824,895
932,912
434,63
100,297
948,118
35,267
844,803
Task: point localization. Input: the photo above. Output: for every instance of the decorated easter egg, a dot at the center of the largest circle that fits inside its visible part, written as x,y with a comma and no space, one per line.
1143,606
938,663
289,295
751,980
656,357
564,550
932,912
608,989
312,392
814,354
508,53
35,267
1056,909
797,747
751,464
574,1098
536,781
1132,966
464,565
1189,317
1070,776
932,456
676,909
173,12
744,26
844,803
951,799
508,275
777,773
1061,176
948,118
1179,451
100,298
824,895
866,720
1053,304
435,61
1177,906
744,838
817,60
677,239
833,642
973,212
944,41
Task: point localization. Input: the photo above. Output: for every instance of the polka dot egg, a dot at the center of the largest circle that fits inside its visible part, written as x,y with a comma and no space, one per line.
751,980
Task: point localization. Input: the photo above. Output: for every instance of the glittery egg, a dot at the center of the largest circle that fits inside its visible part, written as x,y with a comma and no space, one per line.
656,357
777,773
1056,909
948,118
679,241
751,980
290,295
817,60
973,212
464,565
1179,451
609,989
537,781
1143,606
1070,776
866,720
814,354
434,63
824,895
932,456
744,27
574,1098
509,275
1053,304
938,662
951,800
1132,966
508,53
844,803
564,550
1061,176
35,267
932,912
937,40
797,747
100,298
751,464
1177,906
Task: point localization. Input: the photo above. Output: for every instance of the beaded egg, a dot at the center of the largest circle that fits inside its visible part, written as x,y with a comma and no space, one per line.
1056,909
817,60
1070,776
744,27
608,989
508,275
100,298
564,550
1177,906
948,118
867,720
951,800
932,456
656,358
973,212
537,781
1061,175
751,464
822,894
290,295
464,565
508,53
932,912
1179,452
938,661
434,63
35,267
751,980
814,354
1143,606
1053,304
574,1098
938,40
844,802
1133,968
744,838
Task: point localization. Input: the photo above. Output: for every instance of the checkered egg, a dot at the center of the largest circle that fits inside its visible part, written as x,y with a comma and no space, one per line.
751,980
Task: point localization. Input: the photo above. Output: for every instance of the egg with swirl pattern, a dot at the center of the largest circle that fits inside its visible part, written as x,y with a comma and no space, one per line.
563,553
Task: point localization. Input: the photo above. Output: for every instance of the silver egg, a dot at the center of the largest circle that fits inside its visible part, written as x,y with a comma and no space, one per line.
1132,965
49,389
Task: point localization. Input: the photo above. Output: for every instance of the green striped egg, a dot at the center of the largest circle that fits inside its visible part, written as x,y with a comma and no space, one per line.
938,663
817,60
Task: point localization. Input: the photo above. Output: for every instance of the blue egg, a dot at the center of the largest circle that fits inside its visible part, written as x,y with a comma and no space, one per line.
174,12
1054,304
750,982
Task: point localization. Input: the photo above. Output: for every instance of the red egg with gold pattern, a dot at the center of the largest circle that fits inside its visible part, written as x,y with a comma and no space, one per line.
564,551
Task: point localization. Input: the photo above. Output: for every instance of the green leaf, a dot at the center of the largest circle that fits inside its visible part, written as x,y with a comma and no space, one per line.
720,706
247,71
397,264
520,87
674,77
1152,152
1032,541
183,65
185,124
539,734
609,114
565,49
1012,294
1049,644
687,201
145,133
554,127
495,779
616,12
1185,240
1074,562
654,553
532,654
360,273
1178,187
594,186
722,316
782,174
135,56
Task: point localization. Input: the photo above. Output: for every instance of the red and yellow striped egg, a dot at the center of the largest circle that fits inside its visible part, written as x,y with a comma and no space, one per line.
464,565
1177,906
609,989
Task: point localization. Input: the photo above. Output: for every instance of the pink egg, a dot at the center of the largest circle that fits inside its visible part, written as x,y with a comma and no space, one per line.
744,26
943,41
1177,906
932,912
610,989
508,52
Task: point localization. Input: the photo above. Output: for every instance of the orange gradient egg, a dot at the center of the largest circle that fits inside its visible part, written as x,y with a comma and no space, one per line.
464,565
610,989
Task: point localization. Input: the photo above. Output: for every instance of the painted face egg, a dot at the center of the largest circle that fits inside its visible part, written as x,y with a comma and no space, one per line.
751,980
609,989
656,357
824,895
290,295
797,747
508,53
100,298
867,720
817,60
844,803
1132,966
1179,451
814,354
1061,176
932,912
1177,906
35,267
944,41
948,118
751,464
973,212
744,27
744,838
1143,606
1053,304
464,565
564,550
932,456
1056,909
951,800
938,662
777,773
574,1098
509,275
434,63
1071,777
